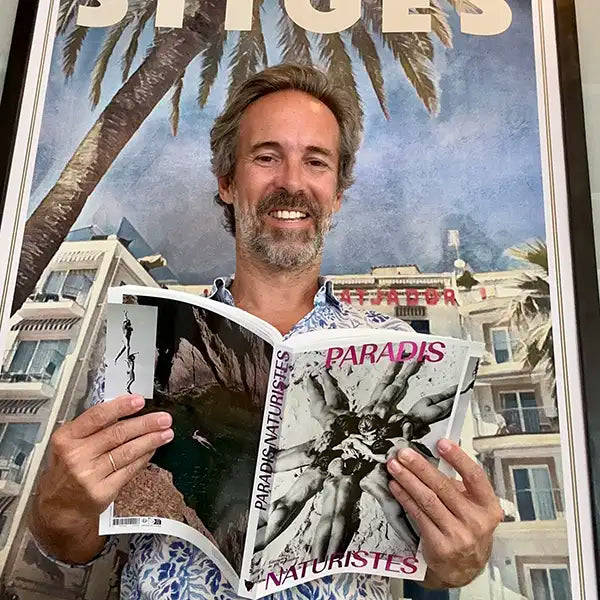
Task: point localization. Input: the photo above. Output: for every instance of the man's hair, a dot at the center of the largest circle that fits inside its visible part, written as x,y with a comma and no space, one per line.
225,131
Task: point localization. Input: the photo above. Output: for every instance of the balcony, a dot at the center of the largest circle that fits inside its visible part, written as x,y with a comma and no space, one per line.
12,471
529,512
34,386
516,428
67,305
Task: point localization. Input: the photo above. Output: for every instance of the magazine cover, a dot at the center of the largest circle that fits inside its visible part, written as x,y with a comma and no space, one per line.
280,466
456,224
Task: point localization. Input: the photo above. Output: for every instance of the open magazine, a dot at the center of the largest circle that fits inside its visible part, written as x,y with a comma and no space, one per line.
277,470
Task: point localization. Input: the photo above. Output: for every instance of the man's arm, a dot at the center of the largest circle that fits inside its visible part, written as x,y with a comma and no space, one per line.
80,482
294,457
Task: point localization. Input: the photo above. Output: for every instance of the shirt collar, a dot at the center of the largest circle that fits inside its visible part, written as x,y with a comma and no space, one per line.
325,296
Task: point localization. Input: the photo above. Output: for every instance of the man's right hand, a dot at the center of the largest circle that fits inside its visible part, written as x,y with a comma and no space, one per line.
80,481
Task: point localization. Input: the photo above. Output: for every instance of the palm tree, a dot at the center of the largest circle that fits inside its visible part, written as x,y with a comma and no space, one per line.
163,69
530,310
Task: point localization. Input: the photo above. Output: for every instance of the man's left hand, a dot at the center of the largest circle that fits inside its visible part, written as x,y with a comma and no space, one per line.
456,520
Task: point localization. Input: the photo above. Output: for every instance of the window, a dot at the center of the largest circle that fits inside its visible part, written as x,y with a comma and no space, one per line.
37,360
17,441
550,583
504,344
521,412
534,493
68,285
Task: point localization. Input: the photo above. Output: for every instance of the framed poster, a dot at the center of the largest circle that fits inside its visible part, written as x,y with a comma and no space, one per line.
463,220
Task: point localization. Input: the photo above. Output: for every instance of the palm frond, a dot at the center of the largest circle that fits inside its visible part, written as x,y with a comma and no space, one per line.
336,60
535,253
108,47
211,62
143,13
67,11
367,51
414,52
176,104
293,40
73,42
439,23
464,6
250,54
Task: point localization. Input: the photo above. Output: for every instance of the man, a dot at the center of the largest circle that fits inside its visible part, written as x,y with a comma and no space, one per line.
283,152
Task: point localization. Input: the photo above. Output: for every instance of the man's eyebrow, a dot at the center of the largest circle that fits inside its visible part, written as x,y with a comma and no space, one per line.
272,145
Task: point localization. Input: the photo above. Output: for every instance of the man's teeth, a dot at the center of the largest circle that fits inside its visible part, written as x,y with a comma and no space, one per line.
289,214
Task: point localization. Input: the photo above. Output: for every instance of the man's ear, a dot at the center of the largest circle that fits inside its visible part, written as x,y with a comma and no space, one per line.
226,189
337,203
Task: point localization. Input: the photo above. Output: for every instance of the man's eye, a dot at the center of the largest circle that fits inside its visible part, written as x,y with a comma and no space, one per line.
317,163
265,159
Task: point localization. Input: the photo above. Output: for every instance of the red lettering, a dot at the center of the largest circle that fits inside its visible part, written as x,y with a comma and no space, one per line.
336,558
388,350
438,353
345,296
392,297
350,355
390,561
368,351
410,564
291,573
412,297
449,297
378,298
422,348
432,296
378,557
332,355
275,580
361,295
358,556
400,355
483,293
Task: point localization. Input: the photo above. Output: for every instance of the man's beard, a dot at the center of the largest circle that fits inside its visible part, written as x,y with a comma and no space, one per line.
283,248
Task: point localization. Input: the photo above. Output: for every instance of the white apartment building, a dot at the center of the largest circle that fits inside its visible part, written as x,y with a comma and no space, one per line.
53,347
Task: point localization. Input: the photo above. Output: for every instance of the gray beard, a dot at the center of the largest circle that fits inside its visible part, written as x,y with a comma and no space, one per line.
290,250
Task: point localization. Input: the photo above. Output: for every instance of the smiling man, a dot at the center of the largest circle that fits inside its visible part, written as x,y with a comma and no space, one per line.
283,153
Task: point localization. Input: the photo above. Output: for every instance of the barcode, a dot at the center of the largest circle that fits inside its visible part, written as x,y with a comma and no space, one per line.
126,521
136,521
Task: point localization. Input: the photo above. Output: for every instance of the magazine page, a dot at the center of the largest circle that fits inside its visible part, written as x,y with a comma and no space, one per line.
210,373
351,402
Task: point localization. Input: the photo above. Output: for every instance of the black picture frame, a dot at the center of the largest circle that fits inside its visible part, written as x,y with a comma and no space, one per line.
585,274
14,84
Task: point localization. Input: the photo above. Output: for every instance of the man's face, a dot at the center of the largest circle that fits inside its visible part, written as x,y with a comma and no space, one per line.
284,188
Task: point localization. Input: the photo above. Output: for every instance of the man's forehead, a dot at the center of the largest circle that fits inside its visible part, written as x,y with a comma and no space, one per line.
289,116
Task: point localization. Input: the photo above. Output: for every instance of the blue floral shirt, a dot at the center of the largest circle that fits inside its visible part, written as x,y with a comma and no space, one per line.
161,567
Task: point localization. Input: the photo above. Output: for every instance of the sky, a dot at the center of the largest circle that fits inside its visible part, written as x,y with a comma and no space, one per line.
475,167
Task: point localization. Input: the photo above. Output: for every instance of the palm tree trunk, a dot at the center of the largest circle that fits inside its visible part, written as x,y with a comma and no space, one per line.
49,224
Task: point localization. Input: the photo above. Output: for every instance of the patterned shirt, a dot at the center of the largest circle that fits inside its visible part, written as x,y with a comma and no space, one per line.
163,567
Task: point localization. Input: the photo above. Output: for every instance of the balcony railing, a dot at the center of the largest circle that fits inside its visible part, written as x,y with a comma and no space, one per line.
533,505
517,421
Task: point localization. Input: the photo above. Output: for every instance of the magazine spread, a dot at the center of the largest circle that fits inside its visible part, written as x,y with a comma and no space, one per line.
277,470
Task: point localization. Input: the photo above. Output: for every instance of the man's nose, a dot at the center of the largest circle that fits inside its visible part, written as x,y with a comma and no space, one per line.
291,177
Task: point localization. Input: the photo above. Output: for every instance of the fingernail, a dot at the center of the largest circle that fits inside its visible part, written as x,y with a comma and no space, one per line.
167,436
394,466
444,445
137,401
406,455
164,420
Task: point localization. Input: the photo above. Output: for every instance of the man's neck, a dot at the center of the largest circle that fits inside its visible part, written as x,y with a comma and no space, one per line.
280,298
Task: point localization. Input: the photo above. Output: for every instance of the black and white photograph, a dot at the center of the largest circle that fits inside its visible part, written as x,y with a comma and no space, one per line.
129,359
211,375
330,488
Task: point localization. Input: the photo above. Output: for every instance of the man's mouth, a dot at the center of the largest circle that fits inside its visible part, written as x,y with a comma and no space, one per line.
288,215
